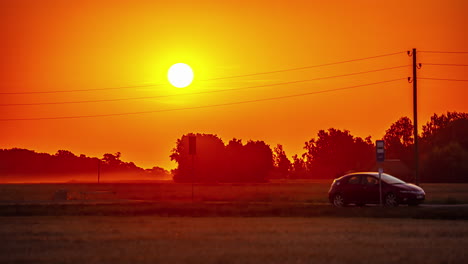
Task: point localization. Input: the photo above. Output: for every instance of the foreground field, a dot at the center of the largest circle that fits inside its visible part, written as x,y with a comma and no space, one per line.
151,239
286,191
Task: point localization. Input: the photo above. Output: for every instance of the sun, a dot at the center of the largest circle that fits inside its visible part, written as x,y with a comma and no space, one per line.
180,75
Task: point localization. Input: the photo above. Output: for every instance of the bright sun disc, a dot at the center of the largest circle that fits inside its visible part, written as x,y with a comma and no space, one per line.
180,75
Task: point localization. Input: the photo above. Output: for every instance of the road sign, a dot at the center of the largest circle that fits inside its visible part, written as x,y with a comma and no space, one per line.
380,150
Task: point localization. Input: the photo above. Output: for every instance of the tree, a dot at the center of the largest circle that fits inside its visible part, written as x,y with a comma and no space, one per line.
62,164
444,129
439,122
65,154
445,148
336,152
298,168
447,163
66,161
399,141
206,165
251,162
281,162
234,161
112,159
258,161
159,173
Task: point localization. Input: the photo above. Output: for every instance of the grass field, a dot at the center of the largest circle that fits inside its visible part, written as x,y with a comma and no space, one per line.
293,198
150,239
278,222
290,191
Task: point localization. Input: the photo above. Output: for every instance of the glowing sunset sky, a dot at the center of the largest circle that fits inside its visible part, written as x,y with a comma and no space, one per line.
88,45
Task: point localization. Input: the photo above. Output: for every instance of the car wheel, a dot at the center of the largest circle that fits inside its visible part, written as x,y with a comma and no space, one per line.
391,200
338,200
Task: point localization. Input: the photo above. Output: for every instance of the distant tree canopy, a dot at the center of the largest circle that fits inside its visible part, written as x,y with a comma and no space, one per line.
299,168
23,161
399,140
446,163
443,146
27,162
216,162
336,152
282,165
444,151
441,122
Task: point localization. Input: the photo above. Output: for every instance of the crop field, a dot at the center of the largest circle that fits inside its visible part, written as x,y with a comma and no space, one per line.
284,191
153,239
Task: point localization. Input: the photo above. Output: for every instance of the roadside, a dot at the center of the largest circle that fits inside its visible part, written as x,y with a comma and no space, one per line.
224,209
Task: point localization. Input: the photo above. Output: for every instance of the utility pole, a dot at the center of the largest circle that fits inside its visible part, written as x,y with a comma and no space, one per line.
415,118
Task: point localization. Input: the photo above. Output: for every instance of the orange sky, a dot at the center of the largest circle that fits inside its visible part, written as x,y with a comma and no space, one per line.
70,45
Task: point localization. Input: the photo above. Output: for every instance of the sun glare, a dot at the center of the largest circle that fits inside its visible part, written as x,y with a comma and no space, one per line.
180,75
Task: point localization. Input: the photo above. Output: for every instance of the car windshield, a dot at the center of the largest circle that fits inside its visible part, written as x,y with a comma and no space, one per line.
391,180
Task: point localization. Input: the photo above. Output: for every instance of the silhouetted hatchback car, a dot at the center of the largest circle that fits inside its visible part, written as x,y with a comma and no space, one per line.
363,188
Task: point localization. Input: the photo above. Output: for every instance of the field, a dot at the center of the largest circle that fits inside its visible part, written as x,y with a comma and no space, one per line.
152,239
278,222
290,191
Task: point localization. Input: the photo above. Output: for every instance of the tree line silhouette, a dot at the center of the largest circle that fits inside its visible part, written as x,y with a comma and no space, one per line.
334,152
18,161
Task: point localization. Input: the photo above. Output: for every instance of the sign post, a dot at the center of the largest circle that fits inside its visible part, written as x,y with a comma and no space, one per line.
380,185
380,156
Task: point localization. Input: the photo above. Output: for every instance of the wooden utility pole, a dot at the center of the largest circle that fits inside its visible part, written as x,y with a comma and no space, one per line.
415,118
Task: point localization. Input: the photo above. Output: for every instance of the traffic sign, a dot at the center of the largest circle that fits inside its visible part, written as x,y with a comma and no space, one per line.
380,150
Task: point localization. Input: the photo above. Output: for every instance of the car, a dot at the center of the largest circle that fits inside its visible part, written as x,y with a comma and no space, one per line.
362,188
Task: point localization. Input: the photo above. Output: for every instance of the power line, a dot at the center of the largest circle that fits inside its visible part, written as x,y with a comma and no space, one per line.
435,51
440,79
212,79
83,90
205,106
444,64
205,92
307,67
154,97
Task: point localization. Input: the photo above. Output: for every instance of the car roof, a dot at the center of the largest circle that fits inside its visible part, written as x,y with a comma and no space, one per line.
370,173
364,172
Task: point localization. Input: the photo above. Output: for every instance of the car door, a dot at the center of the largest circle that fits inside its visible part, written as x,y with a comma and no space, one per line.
370,190
352,189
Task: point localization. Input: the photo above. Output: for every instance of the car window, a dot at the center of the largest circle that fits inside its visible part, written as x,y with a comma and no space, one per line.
391,180
354,179
369,180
